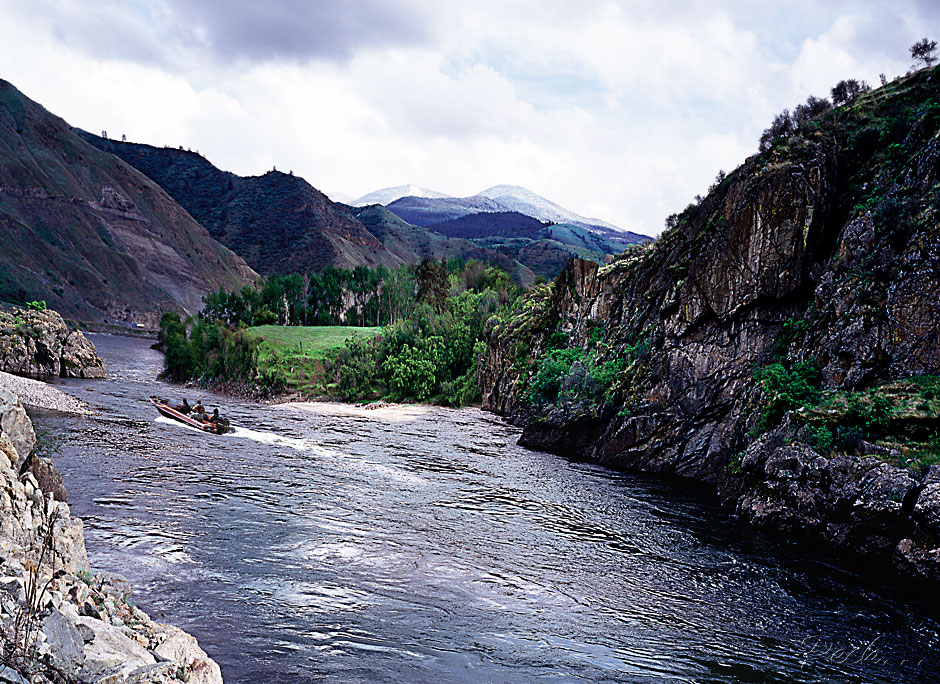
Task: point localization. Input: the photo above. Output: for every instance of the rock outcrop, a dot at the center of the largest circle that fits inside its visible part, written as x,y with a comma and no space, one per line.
60,622
821,252
40,343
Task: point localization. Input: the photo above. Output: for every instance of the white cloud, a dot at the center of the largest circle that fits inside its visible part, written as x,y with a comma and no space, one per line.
619,110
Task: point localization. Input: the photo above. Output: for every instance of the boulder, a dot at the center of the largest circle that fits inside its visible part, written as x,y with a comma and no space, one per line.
787,462
884,488
183,648
48,478
917,561
10,676
111,652
66,644
927,509
17,426
79,358
40,343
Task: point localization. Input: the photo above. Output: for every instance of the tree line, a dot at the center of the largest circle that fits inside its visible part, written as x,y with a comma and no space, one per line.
361,296
434,315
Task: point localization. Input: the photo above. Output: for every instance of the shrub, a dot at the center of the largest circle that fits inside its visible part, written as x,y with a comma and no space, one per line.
786,389
871,417
552,368
36,306
820,438
411,373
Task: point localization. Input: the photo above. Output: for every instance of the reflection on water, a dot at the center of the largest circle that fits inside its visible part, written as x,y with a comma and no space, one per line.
345,546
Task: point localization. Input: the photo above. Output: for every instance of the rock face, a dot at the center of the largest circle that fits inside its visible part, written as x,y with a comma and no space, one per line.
75,625
822,249
40,343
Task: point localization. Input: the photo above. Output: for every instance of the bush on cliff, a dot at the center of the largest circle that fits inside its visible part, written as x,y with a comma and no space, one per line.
786,389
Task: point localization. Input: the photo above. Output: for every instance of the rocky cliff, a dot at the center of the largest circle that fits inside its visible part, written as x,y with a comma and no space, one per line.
40,343
96,239
59,621
757,345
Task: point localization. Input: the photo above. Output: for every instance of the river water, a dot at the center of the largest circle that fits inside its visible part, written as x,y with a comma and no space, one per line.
425,546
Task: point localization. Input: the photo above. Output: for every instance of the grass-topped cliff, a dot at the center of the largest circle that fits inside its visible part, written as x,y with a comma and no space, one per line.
760,342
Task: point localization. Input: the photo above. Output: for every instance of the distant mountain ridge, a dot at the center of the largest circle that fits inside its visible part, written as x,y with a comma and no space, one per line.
428,207
93,237
281,224
426,211
523,200
388,195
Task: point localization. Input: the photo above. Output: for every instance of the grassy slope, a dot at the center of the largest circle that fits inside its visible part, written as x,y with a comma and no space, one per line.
295,353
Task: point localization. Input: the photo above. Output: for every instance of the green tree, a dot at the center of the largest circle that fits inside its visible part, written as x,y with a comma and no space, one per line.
924,52
432,283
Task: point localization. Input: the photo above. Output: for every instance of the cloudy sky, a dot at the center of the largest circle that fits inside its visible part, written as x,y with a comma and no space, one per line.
619,110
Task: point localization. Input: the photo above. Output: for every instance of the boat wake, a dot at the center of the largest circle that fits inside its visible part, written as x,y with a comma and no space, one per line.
260,436
278,440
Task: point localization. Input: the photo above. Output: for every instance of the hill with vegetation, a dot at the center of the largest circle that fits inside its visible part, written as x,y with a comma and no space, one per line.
277,222
780,341
293,334
280,224
92,236
414,244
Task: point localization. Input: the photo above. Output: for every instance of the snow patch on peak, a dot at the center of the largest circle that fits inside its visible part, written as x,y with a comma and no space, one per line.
526,202
339,196
389,195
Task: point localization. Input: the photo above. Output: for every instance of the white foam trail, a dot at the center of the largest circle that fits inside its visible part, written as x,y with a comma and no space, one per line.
258,436
278,440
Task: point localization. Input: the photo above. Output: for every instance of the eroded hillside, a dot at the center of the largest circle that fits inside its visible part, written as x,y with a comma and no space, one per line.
95,238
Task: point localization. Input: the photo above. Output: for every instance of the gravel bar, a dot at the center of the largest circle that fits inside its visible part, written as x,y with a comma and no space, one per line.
42,395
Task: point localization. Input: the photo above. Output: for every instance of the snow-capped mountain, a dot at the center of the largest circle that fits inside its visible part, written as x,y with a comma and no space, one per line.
388,195
411,203
524,201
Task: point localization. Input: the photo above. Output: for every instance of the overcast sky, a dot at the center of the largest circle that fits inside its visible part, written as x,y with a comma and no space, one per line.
618,110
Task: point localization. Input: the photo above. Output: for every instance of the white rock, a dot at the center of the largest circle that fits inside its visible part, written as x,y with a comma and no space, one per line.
183,648
110,650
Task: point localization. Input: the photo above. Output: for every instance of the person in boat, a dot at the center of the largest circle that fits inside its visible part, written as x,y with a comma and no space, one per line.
217,419
183,408
199,412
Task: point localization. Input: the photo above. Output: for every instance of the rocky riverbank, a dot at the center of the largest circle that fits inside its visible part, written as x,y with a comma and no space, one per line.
780,342
38,342
60,621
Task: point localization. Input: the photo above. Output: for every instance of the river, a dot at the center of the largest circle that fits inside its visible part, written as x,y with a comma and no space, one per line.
423,545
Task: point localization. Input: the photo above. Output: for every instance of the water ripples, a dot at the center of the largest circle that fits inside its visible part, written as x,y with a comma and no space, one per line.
356,546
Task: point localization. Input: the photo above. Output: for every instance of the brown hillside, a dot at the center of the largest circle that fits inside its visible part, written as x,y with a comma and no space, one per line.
93,237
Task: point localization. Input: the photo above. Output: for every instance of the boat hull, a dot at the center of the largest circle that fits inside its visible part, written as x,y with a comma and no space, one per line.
168,411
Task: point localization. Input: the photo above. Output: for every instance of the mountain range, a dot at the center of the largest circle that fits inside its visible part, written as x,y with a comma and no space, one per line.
116,232
277,222
424,207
